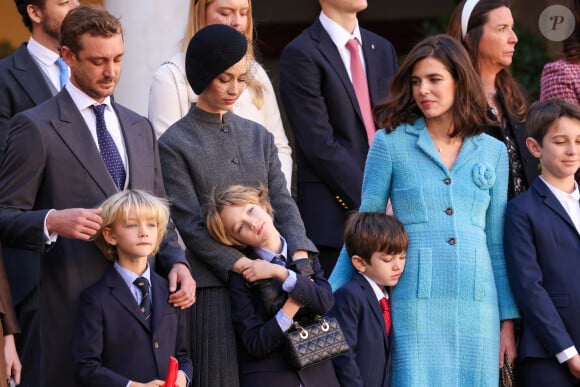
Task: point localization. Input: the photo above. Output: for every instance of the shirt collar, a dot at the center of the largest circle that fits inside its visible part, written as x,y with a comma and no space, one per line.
268,255
561,195
129,277
339,35
43,54
82,100
379,292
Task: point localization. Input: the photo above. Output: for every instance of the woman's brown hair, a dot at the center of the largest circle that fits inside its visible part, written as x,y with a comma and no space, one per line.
469,109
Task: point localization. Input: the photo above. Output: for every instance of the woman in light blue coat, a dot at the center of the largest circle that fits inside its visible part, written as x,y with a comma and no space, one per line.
452,310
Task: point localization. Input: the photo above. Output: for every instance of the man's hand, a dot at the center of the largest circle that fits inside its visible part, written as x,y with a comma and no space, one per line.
74,223
185,296
574,366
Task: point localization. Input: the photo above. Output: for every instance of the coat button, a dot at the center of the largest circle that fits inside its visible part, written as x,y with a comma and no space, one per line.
449,211
226,130
447,180
235,161
451,241
156,345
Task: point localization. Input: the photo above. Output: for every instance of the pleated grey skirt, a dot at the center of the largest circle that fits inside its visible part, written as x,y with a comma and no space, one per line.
213,342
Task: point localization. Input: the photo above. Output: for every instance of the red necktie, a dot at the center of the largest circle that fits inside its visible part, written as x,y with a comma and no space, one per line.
386,308
361,88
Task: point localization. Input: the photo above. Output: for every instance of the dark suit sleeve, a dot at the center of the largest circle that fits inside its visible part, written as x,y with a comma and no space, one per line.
88,347
182,345
526,280
314,294
21,173
300,88
347,310
170,252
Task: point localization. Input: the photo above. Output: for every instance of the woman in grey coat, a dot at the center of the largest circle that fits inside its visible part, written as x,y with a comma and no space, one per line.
210,148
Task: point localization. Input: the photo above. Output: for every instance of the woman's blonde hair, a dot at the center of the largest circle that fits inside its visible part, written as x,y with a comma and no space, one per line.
234,195
196,21
116,209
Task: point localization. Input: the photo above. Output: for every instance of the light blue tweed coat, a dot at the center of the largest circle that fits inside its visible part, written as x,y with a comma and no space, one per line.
454,291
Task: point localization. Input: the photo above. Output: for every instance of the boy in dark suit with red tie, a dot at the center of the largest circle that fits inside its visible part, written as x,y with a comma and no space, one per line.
377,244
127,329
542,248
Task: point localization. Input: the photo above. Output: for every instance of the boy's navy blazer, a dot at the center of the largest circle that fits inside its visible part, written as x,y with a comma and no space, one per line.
114,342
368,360
261,351
542,249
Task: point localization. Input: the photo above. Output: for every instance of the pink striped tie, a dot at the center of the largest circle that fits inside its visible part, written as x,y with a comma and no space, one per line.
361,88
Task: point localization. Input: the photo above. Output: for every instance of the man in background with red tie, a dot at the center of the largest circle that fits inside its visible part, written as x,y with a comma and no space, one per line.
377,245
328,94
62,159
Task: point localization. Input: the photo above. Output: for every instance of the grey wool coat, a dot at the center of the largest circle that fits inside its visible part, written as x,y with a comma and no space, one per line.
201,152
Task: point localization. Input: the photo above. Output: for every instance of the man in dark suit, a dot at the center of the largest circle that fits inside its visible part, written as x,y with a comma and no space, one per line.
542,248
332,128
52,176
31,75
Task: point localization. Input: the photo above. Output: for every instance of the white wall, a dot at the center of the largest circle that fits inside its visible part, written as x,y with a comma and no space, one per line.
153,30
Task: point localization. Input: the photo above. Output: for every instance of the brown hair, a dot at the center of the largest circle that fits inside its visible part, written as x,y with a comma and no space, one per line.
22,6
234,195
116,209
504,81
370,232
87,19
571,46
469,109
543,114
196,21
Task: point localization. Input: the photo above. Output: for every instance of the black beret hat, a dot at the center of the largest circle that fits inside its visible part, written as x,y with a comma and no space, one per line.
210,52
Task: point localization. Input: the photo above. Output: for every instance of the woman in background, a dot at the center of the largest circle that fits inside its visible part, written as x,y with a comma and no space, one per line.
171,95
485,28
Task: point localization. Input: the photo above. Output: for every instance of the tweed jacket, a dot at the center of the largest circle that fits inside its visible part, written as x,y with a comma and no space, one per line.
204,151
455,290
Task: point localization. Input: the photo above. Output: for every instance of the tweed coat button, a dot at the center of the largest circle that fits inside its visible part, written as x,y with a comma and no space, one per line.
451,241
235,160
447,180
225,129
449,211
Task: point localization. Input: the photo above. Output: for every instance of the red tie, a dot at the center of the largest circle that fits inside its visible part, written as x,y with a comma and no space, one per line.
385,306
361,88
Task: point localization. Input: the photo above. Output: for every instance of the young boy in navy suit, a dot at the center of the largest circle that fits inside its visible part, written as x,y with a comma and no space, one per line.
127,329
542,248
271,292
377,244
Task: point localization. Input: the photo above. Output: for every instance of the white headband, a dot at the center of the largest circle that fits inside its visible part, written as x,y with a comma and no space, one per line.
466,14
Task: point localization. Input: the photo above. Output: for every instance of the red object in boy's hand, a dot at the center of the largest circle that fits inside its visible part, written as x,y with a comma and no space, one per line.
171,372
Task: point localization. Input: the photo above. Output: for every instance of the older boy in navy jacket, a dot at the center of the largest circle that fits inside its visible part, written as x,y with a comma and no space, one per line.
542,248
377,244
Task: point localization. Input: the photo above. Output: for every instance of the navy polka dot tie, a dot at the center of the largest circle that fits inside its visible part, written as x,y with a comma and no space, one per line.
143,285
109,152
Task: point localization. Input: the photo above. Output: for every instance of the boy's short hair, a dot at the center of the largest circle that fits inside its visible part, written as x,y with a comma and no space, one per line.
233,195
369,232
543,114
116,208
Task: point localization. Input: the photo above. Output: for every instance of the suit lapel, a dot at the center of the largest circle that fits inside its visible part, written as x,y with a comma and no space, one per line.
139,153
373,304
73,131
552,202
160,296
371,64
123,295
29,76
328,49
